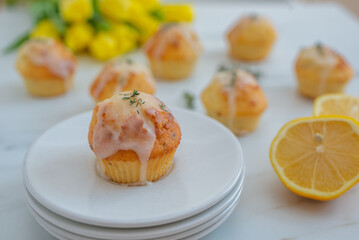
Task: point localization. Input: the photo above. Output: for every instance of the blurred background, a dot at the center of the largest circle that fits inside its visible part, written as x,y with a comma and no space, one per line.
108,28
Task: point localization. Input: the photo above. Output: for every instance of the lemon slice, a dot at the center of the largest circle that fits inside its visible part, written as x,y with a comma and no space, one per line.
317,157
337,104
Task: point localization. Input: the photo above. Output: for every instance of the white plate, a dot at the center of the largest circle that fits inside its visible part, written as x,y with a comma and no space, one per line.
59,172
138,233
53,229
209,229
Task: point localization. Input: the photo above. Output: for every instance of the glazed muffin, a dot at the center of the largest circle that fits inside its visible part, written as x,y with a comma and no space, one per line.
134,137
173,51
321,70
235,99
46,66
119,76
251,39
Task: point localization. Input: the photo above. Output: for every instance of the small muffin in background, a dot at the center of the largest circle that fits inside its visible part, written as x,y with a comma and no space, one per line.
321,70
122,75
173,51
134,137
235,99
251,39
46,66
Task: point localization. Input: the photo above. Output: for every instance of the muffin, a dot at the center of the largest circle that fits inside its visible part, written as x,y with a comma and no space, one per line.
235,99
120,76
173,51
46,66
134,137
251,39
320,70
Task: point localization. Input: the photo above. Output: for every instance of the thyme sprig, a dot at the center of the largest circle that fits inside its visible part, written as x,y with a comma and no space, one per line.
133,100
253,16
128,61
163,107
232,69
190,99
320,48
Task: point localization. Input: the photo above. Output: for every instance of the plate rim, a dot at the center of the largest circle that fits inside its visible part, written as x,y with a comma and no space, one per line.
208,224
238,191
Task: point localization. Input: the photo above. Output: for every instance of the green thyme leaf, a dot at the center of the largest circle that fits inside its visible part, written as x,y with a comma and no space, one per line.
320,48
223,68
135,93
233,77
253,16
128,61
189,98
163,107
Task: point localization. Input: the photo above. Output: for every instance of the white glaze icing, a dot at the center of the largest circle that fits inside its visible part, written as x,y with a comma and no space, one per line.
241,80
122,70
169,33
42,52
121,126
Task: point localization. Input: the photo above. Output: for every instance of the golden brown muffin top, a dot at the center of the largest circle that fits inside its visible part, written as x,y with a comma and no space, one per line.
137,125
321,57
252,28
47,55
173,41
234,91
122,71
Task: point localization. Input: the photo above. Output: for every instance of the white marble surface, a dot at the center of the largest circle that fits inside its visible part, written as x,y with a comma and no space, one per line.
267,209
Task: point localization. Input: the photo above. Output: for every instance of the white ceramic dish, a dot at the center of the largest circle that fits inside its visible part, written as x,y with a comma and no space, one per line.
138,233
53,229
59,172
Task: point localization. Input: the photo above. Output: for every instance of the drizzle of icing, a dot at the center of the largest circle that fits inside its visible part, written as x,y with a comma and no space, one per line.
44,52
121,126
121,70
169,33
241,80
325,58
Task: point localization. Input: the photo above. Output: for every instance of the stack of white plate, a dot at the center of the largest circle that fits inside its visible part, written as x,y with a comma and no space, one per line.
71,200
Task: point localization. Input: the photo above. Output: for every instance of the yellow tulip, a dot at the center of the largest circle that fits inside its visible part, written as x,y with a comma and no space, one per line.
125,45
127,37
76,10
78,36
148,29
121,30
45,29
148,4
115,9
177,12
104,46
141,19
